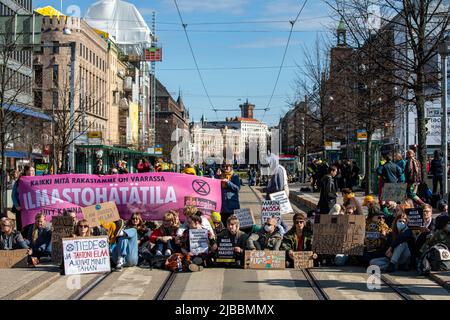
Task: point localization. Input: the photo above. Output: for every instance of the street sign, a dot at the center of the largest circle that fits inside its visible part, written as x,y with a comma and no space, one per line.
153,54
361,135
94,135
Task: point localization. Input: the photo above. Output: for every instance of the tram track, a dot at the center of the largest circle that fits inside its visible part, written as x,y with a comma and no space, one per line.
162,292
83,292
314,283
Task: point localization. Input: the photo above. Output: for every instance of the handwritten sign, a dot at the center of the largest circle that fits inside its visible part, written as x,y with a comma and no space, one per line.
63,227
86,255
259,259
226,250
415,216
270,209
198,241
245,217
282,198
303,259
99,213
339,234
394,192
13,258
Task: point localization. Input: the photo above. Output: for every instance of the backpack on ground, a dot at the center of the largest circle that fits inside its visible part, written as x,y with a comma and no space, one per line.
436,258
154,261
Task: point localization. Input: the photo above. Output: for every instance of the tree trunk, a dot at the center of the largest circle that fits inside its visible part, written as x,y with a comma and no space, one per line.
368,157
422,131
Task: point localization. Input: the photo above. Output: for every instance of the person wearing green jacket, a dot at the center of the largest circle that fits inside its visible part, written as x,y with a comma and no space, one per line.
298,238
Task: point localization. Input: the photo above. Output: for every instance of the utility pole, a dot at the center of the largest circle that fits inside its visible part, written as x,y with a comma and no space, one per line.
73,52
152,136
444,51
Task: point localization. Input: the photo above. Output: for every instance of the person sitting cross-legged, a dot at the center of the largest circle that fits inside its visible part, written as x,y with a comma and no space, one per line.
39,240
268,238
298,238
11,239
164,236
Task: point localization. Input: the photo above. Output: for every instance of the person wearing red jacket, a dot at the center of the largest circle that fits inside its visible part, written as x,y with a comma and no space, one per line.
165,236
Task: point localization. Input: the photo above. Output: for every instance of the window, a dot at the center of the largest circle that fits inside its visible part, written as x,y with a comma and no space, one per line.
55,75
55,47
55,99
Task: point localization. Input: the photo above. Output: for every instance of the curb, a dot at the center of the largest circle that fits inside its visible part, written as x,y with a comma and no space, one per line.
32,287
298,200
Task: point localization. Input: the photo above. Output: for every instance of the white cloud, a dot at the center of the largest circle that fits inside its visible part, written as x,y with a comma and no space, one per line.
266,43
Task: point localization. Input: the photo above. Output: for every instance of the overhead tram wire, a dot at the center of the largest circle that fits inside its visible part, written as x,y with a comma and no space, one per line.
284,57
193,56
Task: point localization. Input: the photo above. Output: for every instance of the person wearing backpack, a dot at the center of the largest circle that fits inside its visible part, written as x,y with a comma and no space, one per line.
400,247
442,233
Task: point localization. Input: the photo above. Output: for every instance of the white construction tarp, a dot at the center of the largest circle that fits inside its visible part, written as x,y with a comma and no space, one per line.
123,22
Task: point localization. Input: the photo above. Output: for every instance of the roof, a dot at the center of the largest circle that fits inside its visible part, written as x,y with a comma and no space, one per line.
49,11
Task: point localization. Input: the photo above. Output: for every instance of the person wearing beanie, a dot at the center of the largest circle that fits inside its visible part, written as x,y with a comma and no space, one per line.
351,201
216,222
377,232
298,238
188,169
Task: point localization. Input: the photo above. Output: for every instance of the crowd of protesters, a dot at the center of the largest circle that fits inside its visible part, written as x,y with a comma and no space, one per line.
389,242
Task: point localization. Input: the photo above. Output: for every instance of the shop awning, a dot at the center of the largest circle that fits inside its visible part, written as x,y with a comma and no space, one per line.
21,155
27,112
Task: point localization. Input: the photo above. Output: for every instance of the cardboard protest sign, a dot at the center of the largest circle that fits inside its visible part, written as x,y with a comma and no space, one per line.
86,255
270,209
415,216
339,234
394,192
63,227
13,258
198,241
265,259
205,206
282,198
303,259
99,213
225,250
245,217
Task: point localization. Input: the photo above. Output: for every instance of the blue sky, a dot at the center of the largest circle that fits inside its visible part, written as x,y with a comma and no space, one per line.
216,48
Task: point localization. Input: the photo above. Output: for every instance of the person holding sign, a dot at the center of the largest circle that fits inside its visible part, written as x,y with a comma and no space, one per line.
82,229
377,232
39,240
236,237
10,239
231,184
190,211
269,238
350,200
27,171
427,227
298,238
195,223
400,247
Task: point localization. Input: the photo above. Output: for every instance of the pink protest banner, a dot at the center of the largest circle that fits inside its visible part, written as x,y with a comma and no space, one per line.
151,194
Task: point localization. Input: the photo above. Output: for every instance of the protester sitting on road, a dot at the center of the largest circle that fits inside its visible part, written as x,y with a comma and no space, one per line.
216,222
195,222
298,238
189,211
426,229
138,223
39,240
82,229
400,247
164,236
10,239
389,211
125,251
269,238
350,200
442,232
350,210
443,208
377,232
237,238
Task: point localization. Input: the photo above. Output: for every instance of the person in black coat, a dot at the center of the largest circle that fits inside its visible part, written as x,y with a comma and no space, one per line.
437,171
328,191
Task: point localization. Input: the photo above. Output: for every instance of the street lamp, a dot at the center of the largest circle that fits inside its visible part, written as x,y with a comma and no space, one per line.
444,51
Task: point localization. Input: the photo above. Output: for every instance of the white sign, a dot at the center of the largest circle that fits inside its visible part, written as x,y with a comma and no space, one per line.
282,198
270,209
86,255
198,241
245,217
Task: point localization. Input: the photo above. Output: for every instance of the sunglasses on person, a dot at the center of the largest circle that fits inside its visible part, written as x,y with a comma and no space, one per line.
135,218
6,225
83,226
299,222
